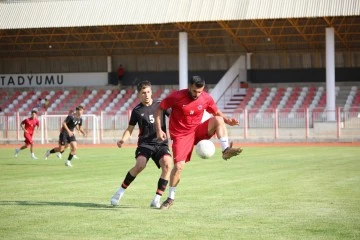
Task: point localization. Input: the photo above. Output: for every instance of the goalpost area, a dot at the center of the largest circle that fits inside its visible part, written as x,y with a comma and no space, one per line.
50,126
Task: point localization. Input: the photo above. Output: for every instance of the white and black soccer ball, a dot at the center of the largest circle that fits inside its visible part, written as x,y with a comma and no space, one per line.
205,149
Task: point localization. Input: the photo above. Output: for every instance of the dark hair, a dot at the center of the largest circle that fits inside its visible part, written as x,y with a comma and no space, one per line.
79,107
33,111
143,84
197,81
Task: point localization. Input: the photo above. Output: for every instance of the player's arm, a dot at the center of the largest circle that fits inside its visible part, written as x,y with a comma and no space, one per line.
37,129
81,130
229,121
22,125
37,126
213,109
126,135
167,112
159,132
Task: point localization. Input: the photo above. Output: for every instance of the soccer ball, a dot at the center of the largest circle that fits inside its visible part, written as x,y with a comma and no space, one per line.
205,149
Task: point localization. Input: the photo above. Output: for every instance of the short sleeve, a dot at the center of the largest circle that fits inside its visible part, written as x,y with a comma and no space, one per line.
212,107
169,101
133,119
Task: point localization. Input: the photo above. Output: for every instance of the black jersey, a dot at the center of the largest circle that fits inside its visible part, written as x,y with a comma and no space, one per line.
144,116
71,122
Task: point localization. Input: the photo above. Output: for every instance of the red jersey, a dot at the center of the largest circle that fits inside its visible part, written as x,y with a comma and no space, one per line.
186,112
30,124
120,71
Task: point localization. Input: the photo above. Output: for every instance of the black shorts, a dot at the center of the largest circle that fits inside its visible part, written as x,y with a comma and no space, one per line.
155,152
64,138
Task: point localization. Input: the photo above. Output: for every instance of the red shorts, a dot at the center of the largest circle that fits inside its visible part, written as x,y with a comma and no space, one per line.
28,138
182,146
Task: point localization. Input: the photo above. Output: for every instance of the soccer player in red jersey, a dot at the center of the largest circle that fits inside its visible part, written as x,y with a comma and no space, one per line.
186,129
28,125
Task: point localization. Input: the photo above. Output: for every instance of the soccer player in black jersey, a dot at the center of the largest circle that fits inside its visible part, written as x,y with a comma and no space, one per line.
59,154
148,146
67,135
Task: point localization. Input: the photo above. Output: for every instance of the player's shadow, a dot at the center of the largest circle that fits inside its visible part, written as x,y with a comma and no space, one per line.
93,206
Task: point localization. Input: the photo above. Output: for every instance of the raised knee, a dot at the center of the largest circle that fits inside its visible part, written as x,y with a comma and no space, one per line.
219,120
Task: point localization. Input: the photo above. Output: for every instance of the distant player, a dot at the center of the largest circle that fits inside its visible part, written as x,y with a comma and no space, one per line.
28,125
67,135
59,155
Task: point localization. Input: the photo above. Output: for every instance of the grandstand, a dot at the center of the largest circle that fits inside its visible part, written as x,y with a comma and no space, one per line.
290,98
310,96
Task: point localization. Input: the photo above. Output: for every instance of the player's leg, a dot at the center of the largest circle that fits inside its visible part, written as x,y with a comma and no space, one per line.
74,156
17,150
54,150
163,160
32,150
73,148
182,150
142,157
30,142
216,125
27,142
59,155
60,147
175,177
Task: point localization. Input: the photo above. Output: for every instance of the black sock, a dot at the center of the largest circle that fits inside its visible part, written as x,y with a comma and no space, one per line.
162,183
52,150
70,157
128,179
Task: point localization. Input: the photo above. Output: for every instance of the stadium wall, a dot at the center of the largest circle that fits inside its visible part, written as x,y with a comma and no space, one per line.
301,75
163,63
164,78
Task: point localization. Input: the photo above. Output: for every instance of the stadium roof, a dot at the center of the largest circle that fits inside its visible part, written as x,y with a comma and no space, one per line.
113,27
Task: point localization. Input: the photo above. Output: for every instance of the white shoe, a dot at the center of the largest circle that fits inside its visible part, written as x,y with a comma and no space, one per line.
68,163
76,157
59,155
116,198
155,204
17,152
47,154
34,157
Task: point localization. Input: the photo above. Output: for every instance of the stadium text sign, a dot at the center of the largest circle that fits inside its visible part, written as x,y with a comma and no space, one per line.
53,79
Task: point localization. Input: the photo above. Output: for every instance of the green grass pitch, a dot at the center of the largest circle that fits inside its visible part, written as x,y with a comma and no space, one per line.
266,193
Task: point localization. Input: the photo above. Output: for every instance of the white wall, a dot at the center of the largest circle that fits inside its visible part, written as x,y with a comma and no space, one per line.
53,80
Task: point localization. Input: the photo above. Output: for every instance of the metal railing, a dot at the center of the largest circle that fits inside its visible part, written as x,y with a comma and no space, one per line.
255,124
